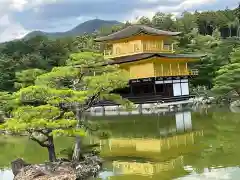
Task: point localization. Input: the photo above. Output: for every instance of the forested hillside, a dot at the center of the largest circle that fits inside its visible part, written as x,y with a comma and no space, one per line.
215,33
87,27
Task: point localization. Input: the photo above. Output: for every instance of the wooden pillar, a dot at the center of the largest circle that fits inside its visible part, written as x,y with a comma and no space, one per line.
142,46
187,69
170,66
140,108
131,88
167,89
154,87
179,72
162,69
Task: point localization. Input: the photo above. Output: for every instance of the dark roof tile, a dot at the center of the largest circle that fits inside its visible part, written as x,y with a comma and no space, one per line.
138,57
135,30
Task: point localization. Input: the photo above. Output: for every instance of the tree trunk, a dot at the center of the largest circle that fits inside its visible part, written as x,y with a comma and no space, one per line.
77,147
51,150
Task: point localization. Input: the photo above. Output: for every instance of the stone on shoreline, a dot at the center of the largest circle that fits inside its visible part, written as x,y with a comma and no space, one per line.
61,170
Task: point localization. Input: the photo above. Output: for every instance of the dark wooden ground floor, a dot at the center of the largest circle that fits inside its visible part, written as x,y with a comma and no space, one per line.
151,90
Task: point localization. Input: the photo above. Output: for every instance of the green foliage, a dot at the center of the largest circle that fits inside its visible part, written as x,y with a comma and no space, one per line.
35,53
40,116
27,77
86,149
5,99
7,72
228,76
187,23
7,103
144,20
29,119
53,105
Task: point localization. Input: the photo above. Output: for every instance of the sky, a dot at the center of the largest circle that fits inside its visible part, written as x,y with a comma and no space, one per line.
19,17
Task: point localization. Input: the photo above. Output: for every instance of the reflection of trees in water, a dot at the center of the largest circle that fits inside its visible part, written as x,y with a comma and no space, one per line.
15,147
220,140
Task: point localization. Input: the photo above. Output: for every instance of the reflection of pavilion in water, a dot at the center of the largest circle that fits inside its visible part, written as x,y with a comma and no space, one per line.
181,134
145,169
174,145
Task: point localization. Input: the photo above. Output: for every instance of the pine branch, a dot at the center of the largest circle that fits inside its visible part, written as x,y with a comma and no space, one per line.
60,115
45,132
38,141
92,100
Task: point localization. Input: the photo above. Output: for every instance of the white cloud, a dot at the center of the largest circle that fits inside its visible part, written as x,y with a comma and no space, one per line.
22,4
187,4
4,20
10,30
18,4
181,5
14,31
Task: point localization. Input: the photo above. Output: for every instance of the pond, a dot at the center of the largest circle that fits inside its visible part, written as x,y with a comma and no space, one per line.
183,146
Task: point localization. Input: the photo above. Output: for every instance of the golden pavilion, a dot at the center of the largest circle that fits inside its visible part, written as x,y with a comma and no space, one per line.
156,72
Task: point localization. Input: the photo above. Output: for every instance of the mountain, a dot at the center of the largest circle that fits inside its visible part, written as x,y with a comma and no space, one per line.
86,27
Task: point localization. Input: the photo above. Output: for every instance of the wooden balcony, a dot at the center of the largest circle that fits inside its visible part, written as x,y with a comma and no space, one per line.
193,72
108,53
157,47
144,47
173,69
150,69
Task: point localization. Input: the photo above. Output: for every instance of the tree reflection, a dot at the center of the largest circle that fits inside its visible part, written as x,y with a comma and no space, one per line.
220,142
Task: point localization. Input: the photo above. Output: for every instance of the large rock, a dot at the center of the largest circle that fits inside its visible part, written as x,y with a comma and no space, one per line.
61,170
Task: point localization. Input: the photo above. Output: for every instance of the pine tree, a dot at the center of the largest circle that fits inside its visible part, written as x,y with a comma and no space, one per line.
228,76
55,105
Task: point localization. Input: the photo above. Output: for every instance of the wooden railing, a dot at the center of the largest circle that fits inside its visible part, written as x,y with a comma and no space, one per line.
167,48
193,72
141,99
173,73
143,47
108,53
152,46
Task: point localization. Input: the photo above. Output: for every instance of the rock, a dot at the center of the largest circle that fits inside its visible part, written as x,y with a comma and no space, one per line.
90,166
235,106
203,100
50,171
17,165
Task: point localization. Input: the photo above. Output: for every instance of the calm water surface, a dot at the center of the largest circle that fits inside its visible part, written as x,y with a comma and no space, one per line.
183,146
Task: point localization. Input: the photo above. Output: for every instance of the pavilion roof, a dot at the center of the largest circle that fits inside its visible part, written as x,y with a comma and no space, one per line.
135,30
138,57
